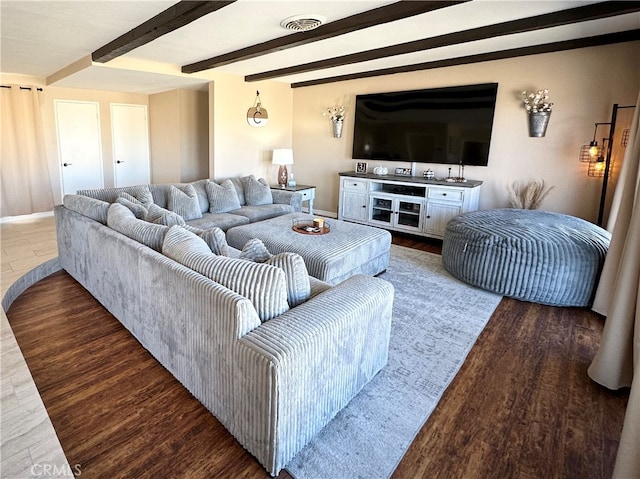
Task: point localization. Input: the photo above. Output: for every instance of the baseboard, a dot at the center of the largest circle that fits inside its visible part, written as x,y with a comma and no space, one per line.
18,219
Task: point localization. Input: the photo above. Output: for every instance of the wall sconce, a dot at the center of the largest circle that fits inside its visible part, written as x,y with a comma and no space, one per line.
282,157
625,138
257,114
597,167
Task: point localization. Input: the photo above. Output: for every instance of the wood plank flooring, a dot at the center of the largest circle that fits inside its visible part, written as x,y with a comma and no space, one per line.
521,407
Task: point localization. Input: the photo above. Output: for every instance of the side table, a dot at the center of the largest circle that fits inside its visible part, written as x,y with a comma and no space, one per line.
308,193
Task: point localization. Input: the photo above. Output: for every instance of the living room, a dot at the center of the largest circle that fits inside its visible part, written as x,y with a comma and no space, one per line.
582,95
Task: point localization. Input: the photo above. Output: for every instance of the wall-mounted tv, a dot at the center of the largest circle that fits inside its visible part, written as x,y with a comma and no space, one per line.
440,125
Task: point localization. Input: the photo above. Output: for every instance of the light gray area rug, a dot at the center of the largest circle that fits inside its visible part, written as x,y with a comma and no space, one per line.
436,321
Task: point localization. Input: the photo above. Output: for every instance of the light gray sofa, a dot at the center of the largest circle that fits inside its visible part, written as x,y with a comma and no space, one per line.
274,381
218,209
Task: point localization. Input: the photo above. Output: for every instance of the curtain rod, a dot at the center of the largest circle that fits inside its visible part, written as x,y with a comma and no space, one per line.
22,87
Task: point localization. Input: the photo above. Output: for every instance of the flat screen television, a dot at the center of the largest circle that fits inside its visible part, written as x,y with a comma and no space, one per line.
440,125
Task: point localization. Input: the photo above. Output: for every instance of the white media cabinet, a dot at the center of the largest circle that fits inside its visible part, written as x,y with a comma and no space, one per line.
410,204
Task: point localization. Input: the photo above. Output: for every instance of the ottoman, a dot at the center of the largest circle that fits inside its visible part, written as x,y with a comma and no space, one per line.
346,250
536,256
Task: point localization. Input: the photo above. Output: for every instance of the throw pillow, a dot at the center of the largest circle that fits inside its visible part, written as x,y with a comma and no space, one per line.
222,197
178,242
159,215
184,202
134,205
121,219
217,241
256,192
255,250
298,284
141,193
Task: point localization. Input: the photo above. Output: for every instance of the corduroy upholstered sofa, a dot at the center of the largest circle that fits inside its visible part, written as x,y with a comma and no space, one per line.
274,373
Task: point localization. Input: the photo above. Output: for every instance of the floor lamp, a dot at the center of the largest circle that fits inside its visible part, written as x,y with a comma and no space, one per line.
607,161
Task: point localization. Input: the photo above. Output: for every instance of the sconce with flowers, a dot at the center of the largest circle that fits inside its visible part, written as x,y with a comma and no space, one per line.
538,107
336,114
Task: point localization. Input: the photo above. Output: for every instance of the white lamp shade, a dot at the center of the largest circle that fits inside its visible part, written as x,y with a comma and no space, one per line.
282,156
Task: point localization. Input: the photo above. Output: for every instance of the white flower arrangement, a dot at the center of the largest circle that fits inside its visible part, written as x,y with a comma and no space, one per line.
538,101
335,113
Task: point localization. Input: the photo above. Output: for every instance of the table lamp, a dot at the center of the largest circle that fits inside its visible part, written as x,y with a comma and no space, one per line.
282,157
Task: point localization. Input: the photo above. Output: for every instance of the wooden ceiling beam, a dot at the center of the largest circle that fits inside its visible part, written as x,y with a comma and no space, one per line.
376,16
548,20
607,39
179,15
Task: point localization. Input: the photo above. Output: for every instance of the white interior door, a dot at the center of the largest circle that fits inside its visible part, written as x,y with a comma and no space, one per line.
79,145
130,133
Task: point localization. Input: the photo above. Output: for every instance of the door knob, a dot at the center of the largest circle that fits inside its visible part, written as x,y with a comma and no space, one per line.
119,161
66,164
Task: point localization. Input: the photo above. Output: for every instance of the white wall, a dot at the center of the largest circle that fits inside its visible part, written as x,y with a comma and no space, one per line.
583,85
237,148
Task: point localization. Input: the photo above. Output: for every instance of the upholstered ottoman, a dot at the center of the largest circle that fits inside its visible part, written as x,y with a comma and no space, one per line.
346,250
536,256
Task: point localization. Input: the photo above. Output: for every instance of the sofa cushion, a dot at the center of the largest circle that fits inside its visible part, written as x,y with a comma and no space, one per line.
161,216
139,192
224,221
262,284
134,205
256,192
183,200
222,197
216,240
178,241
255,250
263,212
121,219
298,284
200,187
86,206
238,184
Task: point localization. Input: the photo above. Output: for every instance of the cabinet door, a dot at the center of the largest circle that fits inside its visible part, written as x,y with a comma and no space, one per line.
381,211
354,205
408,215
438,215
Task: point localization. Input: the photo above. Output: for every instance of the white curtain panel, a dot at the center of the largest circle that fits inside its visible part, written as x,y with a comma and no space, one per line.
617,363
25,181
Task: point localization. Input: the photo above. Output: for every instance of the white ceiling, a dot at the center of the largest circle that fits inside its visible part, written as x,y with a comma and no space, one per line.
42,38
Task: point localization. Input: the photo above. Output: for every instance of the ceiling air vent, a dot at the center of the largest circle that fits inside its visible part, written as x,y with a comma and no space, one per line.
302,23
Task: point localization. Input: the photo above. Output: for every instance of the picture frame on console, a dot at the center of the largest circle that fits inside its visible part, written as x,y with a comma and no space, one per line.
361,167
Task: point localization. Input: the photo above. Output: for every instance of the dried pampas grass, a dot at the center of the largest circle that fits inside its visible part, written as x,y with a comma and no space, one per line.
528,196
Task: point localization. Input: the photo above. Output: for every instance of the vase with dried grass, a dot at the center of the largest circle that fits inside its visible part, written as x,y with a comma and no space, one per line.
528,196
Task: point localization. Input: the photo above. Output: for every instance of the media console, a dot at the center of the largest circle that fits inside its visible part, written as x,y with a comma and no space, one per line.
411,204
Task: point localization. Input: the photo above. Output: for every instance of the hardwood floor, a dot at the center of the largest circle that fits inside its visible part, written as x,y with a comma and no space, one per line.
522,405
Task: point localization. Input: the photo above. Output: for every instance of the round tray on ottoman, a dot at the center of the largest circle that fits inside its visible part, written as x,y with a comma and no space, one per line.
538,256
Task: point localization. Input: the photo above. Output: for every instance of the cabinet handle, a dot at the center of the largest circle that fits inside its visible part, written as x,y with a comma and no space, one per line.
444,194
355,184
428,216
66,164
364,206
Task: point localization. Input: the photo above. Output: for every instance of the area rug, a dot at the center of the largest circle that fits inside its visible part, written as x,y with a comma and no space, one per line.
436,321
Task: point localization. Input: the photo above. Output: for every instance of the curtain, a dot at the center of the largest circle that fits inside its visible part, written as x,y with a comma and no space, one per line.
617,363
25,178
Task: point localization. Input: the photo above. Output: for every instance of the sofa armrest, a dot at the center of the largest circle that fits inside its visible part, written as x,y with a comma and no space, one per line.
288,198
297,371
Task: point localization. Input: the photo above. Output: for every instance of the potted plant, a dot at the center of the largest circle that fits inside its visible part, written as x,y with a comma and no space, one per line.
538,107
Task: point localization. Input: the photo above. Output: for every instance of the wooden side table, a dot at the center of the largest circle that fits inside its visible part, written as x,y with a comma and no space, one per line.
308,193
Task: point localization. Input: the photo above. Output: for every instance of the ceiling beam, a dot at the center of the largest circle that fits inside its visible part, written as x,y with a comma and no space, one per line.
179,15
610,38
376,16
548,20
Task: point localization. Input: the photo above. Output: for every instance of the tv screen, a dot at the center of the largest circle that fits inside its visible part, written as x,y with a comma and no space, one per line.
441,125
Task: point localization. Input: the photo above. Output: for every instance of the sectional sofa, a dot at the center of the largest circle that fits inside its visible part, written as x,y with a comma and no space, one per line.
273,353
